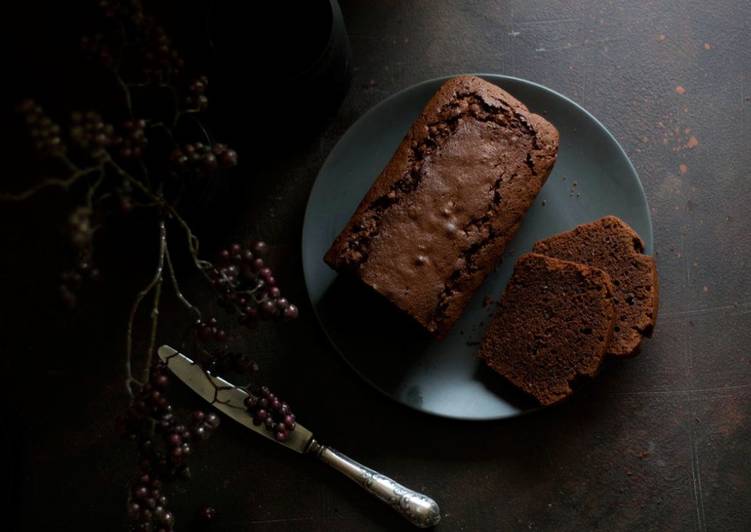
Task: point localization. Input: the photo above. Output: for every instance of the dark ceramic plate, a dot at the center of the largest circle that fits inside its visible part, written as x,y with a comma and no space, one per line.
592,177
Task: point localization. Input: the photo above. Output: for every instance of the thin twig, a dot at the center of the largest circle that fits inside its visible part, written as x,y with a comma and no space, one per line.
154,325
65,183
126,92
145,205
92,190
204,131
165,127
176,102
155,281
176,286
145,171
193,243
73,167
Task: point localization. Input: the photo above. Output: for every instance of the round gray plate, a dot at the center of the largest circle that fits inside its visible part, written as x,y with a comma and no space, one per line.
592,177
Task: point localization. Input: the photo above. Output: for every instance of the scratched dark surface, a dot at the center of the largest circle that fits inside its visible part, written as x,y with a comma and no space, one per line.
660,442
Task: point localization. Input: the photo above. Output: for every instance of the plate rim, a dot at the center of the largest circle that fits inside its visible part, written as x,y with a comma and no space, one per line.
376,108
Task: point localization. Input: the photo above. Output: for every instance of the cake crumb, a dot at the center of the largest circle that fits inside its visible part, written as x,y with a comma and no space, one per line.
680,90
692,143
707,46
683,168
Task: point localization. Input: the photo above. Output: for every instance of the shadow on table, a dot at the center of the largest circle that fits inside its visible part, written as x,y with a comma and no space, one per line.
381,343
375,339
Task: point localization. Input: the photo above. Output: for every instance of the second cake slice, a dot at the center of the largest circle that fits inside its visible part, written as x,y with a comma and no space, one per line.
613,246
554,323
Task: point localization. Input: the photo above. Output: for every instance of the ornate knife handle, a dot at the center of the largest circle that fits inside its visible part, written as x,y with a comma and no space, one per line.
418,509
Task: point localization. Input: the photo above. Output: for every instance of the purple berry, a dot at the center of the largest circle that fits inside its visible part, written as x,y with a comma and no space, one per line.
134,509
260,247
212,420
251,401
268,308
207,514
160,381
228,158
205,333
291,312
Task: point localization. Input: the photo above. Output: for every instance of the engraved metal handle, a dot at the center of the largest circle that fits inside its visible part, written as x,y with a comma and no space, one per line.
417,508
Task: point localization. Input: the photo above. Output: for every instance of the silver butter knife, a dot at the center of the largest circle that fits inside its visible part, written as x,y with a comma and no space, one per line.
418,509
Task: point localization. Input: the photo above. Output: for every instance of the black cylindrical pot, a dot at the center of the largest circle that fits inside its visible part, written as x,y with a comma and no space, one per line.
278,68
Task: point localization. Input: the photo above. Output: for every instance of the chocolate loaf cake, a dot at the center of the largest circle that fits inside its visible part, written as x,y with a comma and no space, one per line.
554,323
611,245
439,216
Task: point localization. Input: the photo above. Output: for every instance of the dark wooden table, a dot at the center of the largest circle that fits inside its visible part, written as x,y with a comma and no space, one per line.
660,442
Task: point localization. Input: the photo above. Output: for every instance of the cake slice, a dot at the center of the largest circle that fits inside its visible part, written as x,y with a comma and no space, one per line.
438,217
611,245
554,323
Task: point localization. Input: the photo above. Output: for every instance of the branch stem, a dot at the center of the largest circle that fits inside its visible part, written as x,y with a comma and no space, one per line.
176,286
193,243
64,183
155,282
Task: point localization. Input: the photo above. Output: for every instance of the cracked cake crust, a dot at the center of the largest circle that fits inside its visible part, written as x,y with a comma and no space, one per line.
439,216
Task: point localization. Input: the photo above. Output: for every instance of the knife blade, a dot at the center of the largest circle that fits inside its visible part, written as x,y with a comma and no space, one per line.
226,397
417,508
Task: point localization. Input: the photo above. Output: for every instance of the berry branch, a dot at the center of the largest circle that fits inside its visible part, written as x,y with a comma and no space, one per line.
64,183
137,163
156,285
